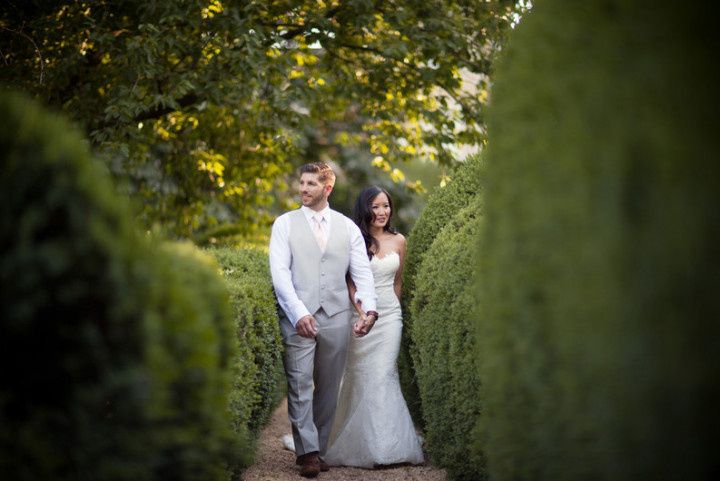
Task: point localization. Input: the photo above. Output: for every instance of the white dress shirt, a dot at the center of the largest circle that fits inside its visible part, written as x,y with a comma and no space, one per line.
281,259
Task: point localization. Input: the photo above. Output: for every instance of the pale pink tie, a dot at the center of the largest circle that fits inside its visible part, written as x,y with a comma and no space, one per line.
319,232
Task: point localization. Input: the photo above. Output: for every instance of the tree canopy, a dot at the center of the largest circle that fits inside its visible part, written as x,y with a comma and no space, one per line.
201,108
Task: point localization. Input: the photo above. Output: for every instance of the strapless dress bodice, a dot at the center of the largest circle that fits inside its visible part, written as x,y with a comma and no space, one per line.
384,269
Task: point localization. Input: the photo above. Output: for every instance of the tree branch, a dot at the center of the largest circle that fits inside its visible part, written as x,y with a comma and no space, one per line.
300,29
37,50
407,66
186,101
189,99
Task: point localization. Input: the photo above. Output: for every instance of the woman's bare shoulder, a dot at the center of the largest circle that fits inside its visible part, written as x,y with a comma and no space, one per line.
399,241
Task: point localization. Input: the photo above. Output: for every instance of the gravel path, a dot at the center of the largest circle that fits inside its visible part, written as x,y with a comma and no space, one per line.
275,463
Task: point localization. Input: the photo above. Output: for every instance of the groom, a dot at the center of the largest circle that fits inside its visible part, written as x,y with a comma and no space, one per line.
311,251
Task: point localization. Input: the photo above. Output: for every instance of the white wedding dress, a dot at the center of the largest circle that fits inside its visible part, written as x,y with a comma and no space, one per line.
372,424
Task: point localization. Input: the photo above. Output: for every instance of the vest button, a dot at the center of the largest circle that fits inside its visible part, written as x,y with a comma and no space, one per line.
322,260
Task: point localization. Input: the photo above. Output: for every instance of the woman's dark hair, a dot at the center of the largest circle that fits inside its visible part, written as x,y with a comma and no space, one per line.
363,216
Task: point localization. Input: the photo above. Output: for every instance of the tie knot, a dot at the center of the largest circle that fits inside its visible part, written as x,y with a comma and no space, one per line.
319,218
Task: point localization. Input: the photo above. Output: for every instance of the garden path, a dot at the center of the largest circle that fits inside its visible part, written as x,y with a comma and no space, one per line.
274,463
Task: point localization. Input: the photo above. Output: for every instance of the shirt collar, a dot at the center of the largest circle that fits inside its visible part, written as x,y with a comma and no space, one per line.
309,213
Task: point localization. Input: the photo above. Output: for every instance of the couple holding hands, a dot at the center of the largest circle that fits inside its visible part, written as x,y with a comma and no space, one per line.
338,284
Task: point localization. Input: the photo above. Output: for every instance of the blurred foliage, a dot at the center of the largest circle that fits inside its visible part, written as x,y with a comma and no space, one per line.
460,187
444,312
116,349
190,354
202,109
599,340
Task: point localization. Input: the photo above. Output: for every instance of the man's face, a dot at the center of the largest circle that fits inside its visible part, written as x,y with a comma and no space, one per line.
313,193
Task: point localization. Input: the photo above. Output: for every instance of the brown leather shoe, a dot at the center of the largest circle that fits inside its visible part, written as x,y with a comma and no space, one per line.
323,465
299,459
309,465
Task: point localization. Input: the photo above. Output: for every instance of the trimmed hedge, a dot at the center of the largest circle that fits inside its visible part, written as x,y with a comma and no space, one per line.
445,358
115,350
442,205
258,374
189,358
599,337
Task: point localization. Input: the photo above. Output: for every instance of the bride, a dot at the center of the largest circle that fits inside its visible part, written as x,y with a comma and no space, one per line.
372,424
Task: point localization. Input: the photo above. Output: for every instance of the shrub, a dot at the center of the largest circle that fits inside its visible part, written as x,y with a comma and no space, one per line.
599,335
114,361
259,375
191,356
445,358
442,205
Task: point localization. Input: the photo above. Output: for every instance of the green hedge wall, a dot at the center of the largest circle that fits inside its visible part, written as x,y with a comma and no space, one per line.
115,350
259,375
599,340
442,205
189,355
445,358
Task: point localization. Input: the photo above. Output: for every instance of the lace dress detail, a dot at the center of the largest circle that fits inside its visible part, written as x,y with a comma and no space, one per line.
372,423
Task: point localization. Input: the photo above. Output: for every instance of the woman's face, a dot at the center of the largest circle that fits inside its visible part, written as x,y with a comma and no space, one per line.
380,208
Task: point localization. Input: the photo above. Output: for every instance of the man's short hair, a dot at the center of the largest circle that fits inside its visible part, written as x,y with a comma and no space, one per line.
324,172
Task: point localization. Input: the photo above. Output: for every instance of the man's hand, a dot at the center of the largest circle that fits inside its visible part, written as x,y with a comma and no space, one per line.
307,327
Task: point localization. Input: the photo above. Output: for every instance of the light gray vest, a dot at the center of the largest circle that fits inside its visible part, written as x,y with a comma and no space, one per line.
319,278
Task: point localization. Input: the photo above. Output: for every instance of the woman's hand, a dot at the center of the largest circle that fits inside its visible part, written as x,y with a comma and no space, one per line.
363,325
